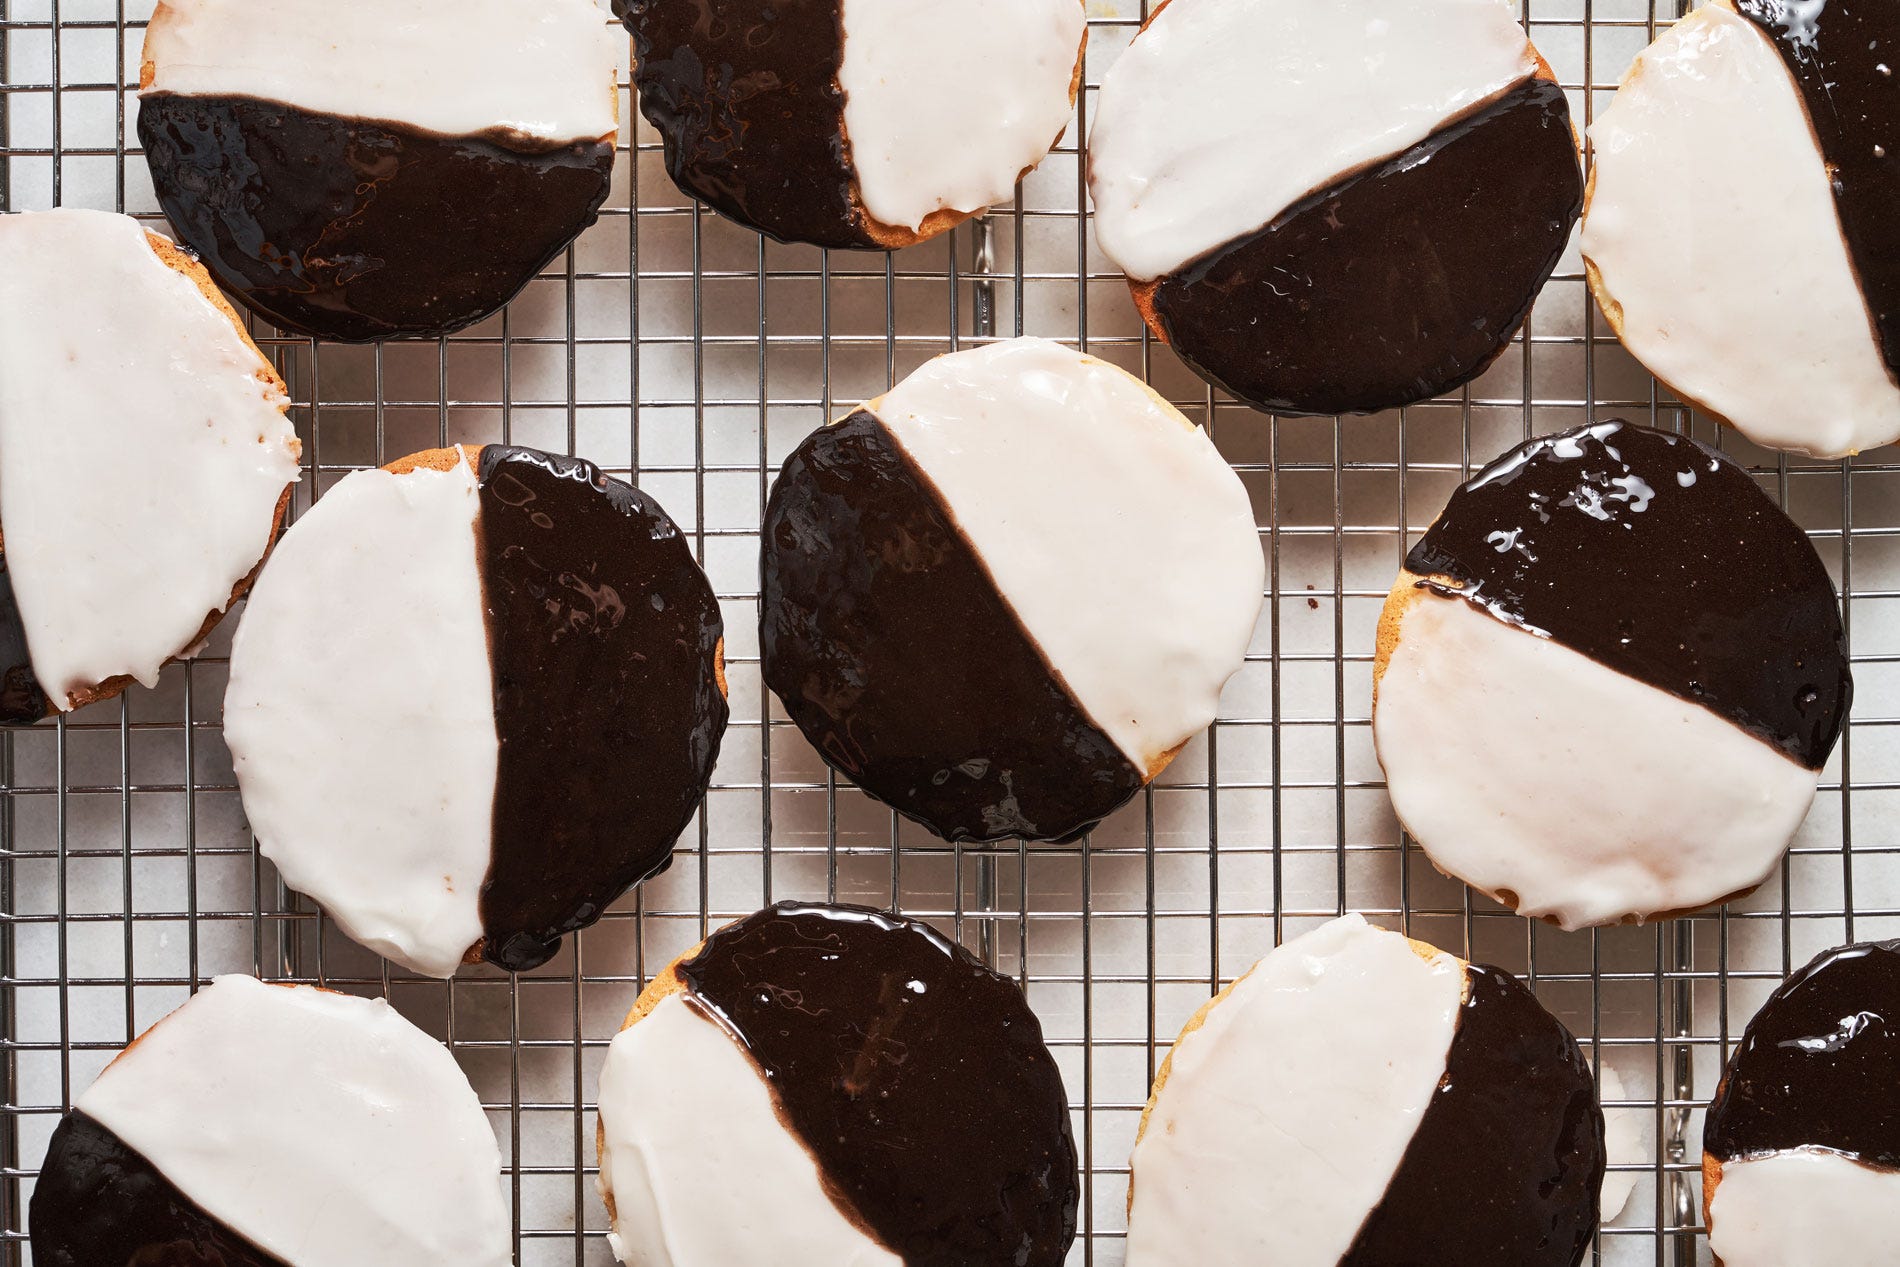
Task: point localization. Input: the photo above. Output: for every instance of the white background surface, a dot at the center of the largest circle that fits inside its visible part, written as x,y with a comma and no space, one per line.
124,820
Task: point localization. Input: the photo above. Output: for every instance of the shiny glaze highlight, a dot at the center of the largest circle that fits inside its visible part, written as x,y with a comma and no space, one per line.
1507,1162
1394,285
891,647
917,1078
1662,559
1819,1065
357,231
604,635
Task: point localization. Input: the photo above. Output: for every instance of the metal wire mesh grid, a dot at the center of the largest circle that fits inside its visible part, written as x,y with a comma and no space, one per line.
675,348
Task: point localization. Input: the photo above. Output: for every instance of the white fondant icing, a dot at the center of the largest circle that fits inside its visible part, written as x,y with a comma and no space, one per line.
143,449
947,103
1112,526
1223,113
1524,767
1713,226
542,69
1286,1114
1805,1209
360,713
321,1128
1627,1141
701,1170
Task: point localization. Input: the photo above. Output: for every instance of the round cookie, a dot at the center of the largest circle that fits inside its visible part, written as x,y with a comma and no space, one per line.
1608,678
1003,595
477,695
274,1126
145,459
1334,207
348,175
1801,1147
1740,234
822,1085
1360,1099
855,123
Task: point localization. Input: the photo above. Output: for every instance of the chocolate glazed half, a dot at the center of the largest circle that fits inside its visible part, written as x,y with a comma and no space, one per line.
916,1077
98,1203
1819,1066
891,647
745,96
605,638
1397,284
1845,58
1507,1163
1660,558
22,700
354,230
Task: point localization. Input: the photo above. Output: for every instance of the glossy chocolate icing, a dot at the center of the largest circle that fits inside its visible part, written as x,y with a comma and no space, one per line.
22,700
1660,558
604,635
1507,1162
1396,284
891,647
354,230
745,95
98,1203
1845,58
1819,1066
916,1077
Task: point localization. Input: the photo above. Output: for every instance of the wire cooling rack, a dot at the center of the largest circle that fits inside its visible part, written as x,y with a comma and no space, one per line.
675,348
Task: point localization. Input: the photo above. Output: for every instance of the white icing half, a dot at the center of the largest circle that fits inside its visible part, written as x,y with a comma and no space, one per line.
143,449
1805,1209
1223,113
1525,767
542,69
1713,225
948,102
1286,1114
360,713
1627,1141
701,1170
1112,526
321,1128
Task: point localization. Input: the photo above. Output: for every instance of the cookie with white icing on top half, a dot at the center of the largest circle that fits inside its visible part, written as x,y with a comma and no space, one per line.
829,1086
1361,1100
477,695
1608,678
145,459
1003,595
1741,234
354,173
1801,1147
1334,206
855,123
274,1126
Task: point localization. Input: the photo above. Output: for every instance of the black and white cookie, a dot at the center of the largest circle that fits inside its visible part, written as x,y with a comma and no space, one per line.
356,170
1801,1148
1003,595
1361,1100
1608,678
274,1126
855,123
476,696
828,1086
1337,206
1742,234
145,459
